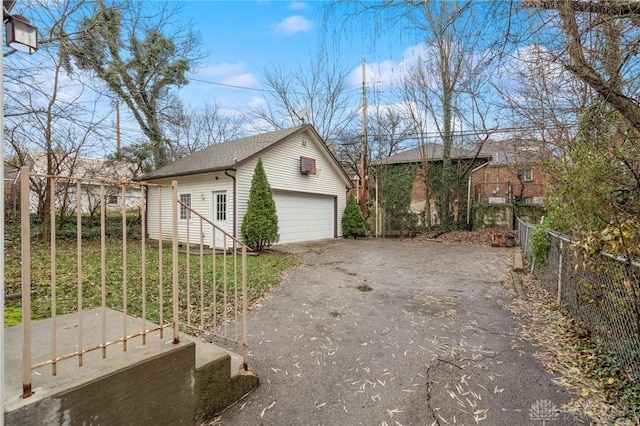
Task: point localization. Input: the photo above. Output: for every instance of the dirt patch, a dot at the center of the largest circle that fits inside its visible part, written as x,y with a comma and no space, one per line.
480,237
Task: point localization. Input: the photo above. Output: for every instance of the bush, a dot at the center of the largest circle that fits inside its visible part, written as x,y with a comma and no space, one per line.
260,224
353,224
541,242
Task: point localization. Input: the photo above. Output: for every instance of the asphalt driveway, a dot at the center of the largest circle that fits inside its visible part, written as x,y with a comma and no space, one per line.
405,332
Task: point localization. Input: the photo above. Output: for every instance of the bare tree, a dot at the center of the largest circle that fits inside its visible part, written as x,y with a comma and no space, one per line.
542,101
599,45
191,129
388,128
316,92
447,89
578,93
46,112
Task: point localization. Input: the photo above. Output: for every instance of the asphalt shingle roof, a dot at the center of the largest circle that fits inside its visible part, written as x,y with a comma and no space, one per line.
221,156
429,152
513,151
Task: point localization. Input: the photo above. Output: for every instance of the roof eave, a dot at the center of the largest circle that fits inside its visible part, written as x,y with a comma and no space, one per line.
187,173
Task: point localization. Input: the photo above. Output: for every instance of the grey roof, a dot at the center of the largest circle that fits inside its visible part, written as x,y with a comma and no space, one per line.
429,152
11,172
513,151
223,156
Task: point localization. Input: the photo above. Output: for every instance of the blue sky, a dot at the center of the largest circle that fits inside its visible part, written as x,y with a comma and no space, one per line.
242,38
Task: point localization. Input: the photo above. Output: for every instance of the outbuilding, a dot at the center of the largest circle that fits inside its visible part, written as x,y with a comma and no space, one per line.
308,184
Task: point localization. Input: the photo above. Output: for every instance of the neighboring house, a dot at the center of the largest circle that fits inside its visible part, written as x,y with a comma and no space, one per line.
90,171
514,173
309,186
426,159
11,188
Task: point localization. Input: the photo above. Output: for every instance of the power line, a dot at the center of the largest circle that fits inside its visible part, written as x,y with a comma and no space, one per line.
255,89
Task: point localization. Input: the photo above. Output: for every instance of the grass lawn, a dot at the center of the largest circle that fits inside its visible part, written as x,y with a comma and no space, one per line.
264,272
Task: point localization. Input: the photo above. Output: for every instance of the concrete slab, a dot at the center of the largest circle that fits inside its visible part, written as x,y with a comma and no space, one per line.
77,392
68,372
518,264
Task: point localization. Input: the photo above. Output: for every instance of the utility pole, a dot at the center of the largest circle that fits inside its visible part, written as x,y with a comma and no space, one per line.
363,148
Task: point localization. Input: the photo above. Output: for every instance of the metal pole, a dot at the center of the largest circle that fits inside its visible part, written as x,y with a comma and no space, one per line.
560,273
2,230
174,208
79,265
54,305
103,268
245,302
125,273
25,236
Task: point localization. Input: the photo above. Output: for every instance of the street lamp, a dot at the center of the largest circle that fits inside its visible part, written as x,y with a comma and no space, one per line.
21,35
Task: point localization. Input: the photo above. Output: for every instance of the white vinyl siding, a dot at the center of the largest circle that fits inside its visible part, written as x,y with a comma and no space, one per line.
314,194
282,167
200,187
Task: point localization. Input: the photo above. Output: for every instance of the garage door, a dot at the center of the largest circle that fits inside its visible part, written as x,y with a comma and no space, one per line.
304,217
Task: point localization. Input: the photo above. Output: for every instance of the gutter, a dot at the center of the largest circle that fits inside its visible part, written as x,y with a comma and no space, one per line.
235,198
469,193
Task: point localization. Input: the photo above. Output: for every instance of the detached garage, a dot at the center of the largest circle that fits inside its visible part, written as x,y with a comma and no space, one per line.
309,186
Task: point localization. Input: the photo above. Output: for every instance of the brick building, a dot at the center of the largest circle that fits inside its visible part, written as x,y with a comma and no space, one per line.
515,173
426,159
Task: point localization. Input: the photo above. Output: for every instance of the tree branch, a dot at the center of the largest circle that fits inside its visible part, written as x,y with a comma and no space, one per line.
599,7
581,68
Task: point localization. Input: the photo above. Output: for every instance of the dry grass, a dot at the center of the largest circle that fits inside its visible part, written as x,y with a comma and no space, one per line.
563,352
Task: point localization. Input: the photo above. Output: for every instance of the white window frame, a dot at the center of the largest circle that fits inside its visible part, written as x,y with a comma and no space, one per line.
527,175
185,198
217,210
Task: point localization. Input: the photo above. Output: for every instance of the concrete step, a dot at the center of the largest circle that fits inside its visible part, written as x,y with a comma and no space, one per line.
156,383
220,378
147,384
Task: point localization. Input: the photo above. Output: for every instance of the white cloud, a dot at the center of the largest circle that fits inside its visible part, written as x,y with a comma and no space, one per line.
243,80
387,73
293,24
222,70
297,5
234,74
222,74
379,74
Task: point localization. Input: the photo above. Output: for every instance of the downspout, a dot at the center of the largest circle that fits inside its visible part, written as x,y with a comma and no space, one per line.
235,199
377,206
469,194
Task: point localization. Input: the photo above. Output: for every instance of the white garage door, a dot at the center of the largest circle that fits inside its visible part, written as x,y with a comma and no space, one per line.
304,217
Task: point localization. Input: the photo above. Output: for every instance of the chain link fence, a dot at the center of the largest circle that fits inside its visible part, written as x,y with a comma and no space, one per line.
603,293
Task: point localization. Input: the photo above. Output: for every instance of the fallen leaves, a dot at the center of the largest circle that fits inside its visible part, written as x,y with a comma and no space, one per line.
267,408
561,352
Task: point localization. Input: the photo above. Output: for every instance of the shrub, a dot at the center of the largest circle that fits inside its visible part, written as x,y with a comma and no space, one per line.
353,224
260,224
541,242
